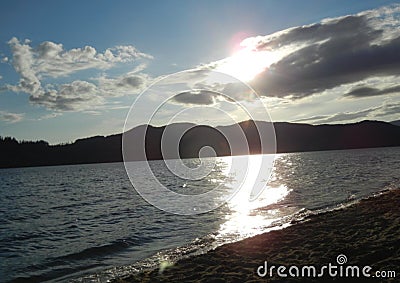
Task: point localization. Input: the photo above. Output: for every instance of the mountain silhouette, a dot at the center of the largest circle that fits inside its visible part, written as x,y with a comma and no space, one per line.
185,140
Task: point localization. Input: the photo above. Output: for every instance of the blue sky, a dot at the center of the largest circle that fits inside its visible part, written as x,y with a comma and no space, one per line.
72,69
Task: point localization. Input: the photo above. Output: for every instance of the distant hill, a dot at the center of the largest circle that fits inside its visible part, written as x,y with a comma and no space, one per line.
396,123
290,137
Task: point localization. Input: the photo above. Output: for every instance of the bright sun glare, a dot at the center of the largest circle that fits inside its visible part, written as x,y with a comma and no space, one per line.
246,63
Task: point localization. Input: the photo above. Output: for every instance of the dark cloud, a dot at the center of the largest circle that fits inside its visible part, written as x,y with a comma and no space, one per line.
343,27
370,91
198,97
328,54
131,81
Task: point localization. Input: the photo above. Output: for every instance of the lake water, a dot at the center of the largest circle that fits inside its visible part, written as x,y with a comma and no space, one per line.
86,223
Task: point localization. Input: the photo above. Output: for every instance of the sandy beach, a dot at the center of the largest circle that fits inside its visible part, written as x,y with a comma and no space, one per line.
367,233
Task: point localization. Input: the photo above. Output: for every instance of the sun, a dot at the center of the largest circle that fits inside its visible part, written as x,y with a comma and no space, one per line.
245,64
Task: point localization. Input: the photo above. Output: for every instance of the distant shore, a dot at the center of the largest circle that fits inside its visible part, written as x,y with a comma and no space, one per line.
367,233
286,137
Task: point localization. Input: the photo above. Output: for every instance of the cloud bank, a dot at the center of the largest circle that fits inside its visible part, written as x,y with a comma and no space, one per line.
387,108
332,53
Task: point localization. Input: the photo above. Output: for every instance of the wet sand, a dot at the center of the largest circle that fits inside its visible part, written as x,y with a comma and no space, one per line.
367,233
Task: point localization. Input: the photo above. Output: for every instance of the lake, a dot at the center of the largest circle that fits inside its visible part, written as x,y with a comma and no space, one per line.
86,223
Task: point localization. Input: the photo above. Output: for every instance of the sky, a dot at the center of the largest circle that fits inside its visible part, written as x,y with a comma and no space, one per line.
73,69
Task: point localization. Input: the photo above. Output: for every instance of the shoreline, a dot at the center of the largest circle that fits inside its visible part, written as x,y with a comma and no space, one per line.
122,161
368,233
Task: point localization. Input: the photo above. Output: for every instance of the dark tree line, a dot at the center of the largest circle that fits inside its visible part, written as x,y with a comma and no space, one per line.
290,137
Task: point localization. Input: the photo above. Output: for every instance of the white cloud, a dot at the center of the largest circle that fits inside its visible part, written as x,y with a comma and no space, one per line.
49,116
51,60
10,117
23,62
83,95
78,95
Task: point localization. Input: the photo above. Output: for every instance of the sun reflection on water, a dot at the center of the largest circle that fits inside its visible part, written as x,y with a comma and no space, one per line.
248,218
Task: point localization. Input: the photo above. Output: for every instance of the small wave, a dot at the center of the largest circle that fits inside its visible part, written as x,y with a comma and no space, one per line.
96,251
104,250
